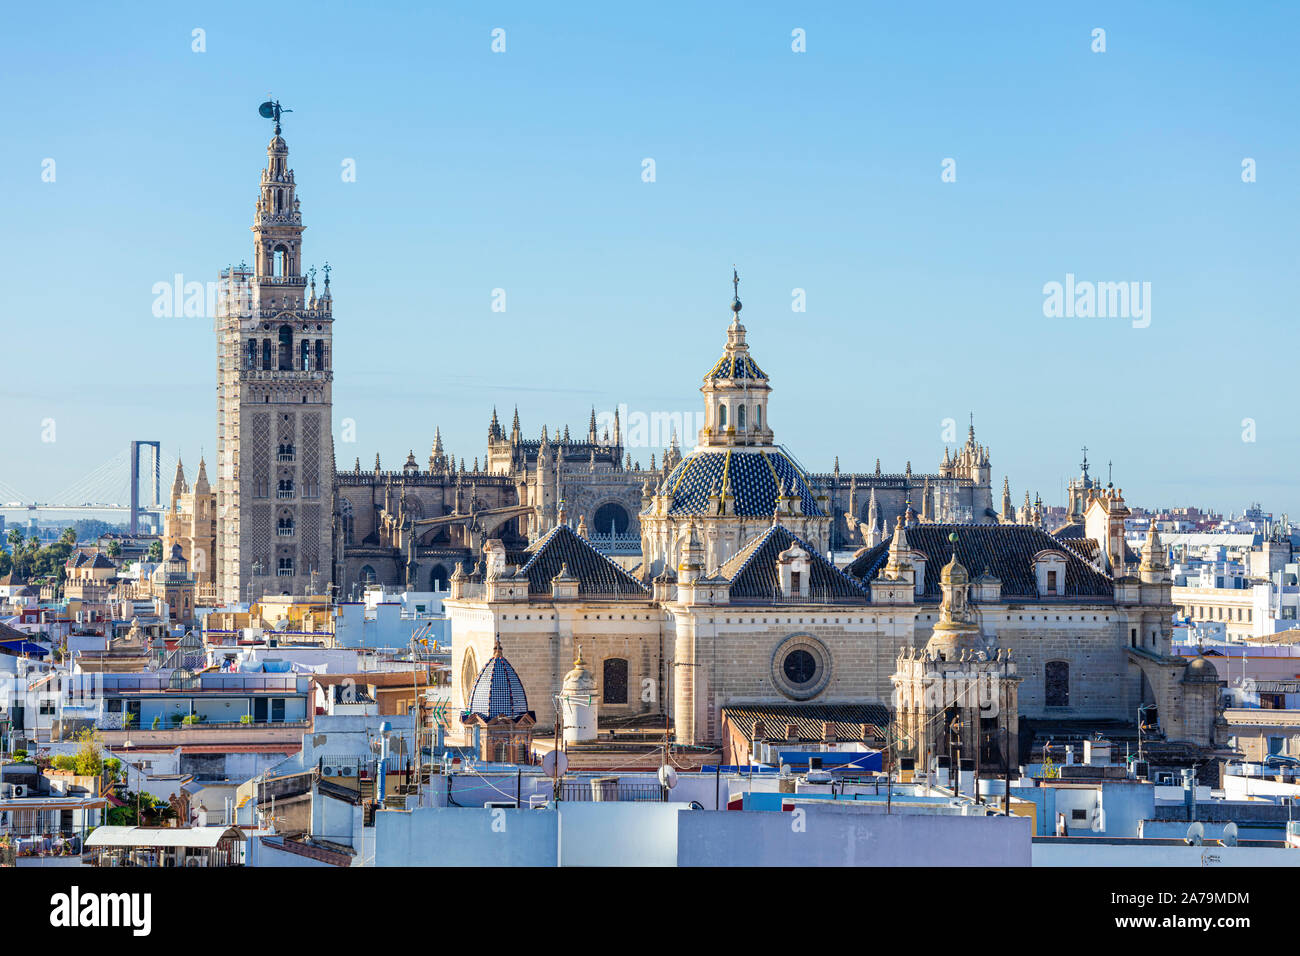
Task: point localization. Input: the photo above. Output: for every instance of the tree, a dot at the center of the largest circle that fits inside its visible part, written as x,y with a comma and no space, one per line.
90,755
69,537
155,551
114,548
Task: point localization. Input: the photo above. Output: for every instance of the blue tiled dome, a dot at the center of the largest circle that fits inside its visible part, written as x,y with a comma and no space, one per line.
498,691
753,477
736,366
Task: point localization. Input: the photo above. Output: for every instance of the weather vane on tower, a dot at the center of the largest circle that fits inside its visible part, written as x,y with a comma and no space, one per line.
271,109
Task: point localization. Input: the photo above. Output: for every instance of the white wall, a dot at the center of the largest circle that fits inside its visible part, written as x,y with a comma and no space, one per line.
831,837
1070,853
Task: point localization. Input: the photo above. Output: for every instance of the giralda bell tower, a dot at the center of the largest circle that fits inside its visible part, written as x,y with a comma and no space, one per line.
274,431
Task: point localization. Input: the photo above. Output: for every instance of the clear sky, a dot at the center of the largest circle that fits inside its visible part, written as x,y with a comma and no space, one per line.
818,171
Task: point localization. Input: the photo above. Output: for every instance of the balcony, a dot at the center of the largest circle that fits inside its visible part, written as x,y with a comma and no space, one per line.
284,532
282,494
284,572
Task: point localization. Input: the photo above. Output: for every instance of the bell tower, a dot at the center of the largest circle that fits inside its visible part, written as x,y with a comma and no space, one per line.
275,443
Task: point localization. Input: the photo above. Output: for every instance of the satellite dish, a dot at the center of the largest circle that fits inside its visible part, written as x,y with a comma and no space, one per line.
1196,834
667,776
1230,835
555,763
267,109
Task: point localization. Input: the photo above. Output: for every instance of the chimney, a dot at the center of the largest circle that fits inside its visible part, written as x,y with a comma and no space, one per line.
828,733
792,733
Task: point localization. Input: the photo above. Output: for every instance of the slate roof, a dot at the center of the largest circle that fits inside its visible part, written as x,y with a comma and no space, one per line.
1006,550
808,719
596,573
752,570
753,477
498,691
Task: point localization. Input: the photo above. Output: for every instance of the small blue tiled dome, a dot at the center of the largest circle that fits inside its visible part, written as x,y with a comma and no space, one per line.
498,691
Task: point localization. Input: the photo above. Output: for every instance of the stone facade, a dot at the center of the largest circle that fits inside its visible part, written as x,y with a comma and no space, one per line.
190,523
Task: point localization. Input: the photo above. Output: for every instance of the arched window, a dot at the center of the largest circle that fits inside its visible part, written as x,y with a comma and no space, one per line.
722,416
252,353
286,348
740,417
438,578
610,517
279,258
304,355
1056,684
285,488
266,354
758,416
615,682
284,526
368,575
320,354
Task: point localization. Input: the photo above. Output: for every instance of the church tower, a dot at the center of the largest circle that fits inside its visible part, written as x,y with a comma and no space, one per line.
275,469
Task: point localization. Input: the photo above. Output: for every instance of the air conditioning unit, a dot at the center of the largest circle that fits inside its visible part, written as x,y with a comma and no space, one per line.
20,790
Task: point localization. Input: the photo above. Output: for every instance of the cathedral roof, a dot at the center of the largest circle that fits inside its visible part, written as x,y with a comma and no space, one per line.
563,548
753,574
754,478
1005,550
498,691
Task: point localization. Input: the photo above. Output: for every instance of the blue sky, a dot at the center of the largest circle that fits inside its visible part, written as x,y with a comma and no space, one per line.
818,170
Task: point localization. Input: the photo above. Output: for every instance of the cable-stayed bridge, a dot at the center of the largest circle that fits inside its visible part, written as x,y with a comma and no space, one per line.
104,492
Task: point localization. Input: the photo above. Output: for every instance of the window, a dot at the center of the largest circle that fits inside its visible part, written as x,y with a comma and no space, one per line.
284,527
285,488
758,416
722,416
610,518
345,516
286,348
1080,814
252,354
304,355
266,354
277,710
368,575
280,257
284,568
1057,684
615,682
320,354
796,580
1276,746
799,666
1051,582
740,417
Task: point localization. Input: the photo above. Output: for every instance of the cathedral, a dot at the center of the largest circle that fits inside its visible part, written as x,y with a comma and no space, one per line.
711,581
736,606
289,520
